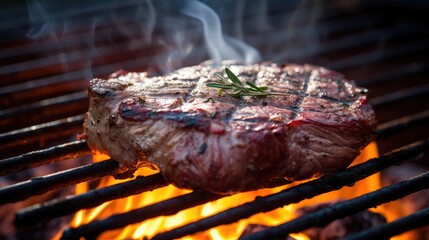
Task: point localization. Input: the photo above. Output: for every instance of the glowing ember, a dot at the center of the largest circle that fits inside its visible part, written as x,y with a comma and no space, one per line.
160,224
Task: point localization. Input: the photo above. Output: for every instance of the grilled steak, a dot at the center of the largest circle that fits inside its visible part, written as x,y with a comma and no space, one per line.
224,144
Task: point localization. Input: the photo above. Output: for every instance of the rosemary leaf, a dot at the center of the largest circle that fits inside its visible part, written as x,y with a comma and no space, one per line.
217,85
220,77
233,77
234,87
254,86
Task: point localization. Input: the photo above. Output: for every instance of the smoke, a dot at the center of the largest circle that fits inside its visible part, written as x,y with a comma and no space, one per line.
158,36
95,38
219,46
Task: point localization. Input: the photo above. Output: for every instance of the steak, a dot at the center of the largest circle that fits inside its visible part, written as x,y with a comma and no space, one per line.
224,144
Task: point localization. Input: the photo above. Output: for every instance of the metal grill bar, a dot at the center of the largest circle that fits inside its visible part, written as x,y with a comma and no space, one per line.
71,81
56,208
346,208
400,95
69,41
82,76
24,96
387,129
303,191
41,185
408,69
60,207
410,222
26,109
164,208
46,110
43,157
54,129
372,57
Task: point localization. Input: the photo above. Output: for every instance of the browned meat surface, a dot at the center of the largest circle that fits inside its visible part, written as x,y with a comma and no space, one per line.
224,144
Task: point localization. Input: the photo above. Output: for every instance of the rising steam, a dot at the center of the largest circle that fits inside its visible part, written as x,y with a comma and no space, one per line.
219,46
186,32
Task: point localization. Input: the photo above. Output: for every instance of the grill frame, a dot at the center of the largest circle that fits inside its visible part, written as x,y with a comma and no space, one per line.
64,110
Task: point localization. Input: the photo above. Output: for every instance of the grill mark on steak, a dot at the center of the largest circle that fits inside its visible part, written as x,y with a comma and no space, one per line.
133,111
300,99
297,108
222,144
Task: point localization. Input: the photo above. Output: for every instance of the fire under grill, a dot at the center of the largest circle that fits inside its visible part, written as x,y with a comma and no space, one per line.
383,47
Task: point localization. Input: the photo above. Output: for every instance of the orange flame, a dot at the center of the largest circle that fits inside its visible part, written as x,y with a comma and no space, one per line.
160,224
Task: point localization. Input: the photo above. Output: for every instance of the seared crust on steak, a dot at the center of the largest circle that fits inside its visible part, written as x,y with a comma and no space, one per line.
223,144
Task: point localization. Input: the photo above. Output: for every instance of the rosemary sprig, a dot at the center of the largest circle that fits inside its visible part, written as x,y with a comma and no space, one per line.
234,87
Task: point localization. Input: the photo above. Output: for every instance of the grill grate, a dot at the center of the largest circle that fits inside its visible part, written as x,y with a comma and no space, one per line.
341,209
413,221
41,185
60,207
43,157
43,100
